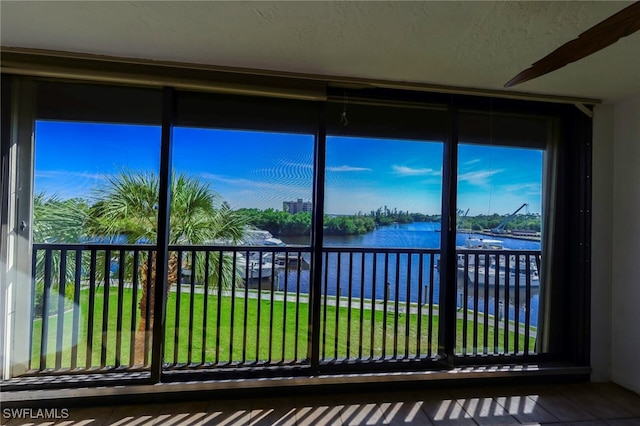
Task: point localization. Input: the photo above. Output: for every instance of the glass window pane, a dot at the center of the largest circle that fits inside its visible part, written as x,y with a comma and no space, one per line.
251,189
94,183
77,160
382,193
381,247
498,241
265,177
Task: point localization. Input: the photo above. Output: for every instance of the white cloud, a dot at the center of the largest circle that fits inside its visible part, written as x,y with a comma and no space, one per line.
479,178
470,162
525,188
248,183
56,174
254,193
409,171
348,169
68,184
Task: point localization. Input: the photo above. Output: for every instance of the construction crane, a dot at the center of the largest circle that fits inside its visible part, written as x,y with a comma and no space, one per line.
500,228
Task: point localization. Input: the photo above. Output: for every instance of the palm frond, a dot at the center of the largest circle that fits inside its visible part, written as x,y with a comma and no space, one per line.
127,206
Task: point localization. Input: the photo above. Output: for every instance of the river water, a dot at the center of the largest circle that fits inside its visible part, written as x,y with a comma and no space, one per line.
401,277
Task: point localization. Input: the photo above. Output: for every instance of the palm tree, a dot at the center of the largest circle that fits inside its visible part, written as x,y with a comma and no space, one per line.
58,221
55,221
128,205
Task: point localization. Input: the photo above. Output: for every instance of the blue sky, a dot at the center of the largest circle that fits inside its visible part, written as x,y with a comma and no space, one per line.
255,169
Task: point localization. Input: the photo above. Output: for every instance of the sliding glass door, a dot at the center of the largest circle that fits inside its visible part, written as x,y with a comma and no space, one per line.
359,233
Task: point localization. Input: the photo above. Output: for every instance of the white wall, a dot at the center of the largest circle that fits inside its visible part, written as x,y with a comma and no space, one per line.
625,245
602,211
615,279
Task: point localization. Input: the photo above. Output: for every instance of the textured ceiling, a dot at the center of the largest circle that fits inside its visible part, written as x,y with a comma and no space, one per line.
469,44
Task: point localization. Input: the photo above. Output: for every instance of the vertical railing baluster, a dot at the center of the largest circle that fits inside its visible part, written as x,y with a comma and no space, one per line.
396,306
349,313
337,306
176,331
44,335
516,306
432,268
527,312
465,313
151,255
91,308
374,297
105,308
285,304
192,301
232,321
219,312
385,305
62,283
360,336
205,308
476,302
496,298
485,335
76,308
119,319
419,307
245,318
271,300
134,299
32,307
407,315
324,307
297,329
259,310
505,305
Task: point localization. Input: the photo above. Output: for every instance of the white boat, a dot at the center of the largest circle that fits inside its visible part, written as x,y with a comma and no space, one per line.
483,244
256,267
260,237
291,261
487,273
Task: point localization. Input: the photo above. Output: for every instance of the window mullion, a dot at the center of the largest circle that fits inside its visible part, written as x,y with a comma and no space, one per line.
447,302
319,161
162,244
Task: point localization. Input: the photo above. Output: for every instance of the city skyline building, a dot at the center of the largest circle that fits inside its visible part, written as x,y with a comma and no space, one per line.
297,206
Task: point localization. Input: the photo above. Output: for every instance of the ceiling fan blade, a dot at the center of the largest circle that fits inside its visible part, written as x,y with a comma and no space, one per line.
604,34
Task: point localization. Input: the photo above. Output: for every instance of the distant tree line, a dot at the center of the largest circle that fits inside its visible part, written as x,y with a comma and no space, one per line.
530,222
280,223
385,216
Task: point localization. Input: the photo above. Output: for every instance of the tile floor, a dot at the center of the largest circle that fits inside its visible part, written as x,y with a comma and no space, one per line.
567,404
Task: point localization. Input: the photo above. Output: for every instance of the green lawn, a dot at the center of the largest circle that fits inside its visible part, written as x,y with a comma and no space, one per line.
275,332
